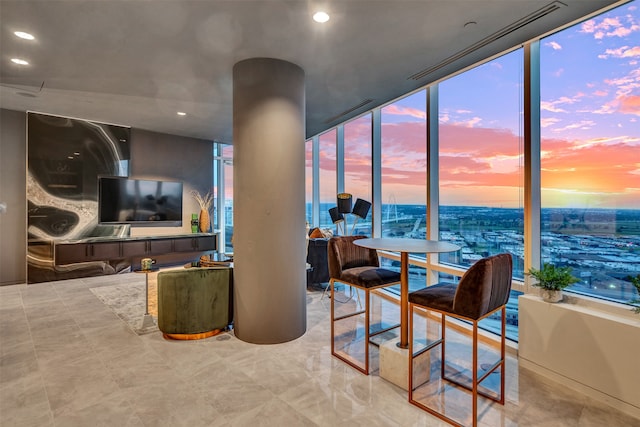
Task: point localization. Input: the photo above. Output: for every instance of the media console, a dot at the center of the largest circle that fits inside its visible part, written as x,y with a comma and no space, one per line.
168,249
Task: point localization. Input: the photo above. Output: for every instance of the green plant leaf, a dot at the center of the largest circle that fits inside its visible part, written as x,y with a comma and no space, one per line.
553,278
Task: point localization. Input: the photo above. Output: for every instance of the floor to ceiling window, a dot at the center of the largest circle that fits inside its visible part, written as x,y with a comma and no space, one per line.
590,175
480,156
590,152
481,177
404,175
328,183
357,168
404,167
223,196
308,183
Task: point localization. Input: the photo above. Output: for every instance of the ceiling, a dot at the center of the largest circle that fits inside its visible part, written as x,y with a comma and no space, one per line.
138,62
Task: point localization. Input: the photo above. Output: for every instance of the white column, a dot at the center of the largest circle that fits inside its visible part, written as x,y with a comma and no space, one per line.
269,201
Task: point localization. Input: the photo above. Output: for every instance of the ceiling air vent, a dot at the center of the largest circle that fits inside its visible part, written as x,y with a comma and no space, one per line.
526,20
26,86
350,110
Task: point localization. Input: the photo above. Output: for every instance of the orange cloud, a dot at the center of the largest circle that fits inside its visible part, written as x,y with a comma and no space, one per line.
483,165
629,104
602,168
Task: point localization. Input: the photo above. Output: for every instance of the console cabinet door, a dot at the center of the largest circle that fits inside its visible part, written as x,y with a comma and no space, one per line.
83,252
192,244
68,254
160,246
185,244
104,251
205,243
134,248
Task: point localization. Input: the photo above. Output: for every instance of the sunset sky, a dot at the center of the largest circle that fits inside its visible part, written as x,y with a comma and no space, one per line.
590,125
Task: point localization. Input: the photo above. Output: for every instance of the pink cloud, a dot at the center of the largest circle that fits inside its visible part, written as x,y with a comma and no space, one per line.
476,157
583,125
398,110
610,27
478,143
553,106
629,104
632,52
404,139
549,121
622,52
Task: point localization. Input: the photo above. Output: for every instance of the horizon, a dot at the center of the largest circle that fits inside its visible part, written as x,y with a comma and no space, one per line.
497,207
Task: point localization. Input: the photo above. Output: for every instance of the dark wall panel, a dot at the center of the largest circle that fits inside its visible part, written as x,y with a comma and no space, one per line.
65,156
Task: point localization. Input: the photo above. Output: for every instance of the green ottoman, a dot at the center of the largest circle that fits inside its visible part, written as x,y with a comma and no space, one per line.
194,303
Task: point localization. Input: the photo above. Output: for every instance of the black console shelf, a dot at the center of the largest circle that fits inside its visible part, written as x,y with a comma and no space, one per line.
171,249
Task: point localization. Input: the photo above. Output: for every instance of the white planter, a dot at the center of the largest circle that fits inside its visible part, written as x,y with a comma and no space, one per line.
583,348
551,296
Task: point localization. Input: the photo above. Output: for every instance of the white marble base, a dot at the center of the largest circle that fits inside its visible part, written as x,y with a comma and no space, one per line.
394,365
147,322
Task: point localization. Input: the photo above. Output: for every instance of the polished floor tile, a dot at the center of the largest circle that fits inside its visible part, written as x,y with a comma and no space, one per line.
67,360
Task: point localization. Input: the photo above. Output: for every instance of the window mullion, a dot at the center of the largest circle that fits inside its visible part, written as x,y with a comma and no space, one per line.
532,198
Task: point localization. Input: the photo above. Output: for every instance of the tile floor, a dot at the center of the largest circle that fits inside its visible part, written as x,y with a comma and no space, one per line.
68,360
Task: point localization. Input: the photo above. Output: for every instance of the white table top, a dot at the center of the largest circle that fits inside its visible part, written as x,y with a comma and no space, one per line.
407,245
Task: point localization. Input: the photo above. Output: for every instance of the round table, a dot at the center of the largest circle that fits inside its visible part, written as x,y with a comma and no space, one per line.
405,246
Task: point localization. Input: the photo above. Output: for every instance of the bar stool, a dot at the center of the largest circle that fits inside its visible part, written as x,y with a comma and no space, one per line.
482,290
360,268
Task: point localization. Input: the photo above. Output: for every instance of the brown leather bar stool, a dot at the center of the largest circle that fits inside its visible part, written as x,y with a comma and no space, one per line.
360,268
482,290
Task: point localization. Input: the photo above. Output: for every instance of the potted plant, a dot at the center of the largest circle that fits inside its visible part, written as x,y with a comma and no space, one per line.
204,202
552,280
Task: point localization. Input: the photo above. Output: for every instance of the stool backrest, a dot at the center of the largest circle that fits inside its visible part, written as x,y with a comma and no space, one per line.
484,287
343,254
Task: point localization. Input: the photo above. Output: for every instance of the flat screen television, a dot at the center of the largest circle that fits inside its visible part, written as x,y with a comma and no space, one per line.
140,202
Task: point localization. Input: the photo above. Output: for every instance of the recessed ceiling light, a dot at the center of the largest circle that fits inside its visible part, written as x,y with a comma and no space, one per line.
19,61
180,113
24,35
321,17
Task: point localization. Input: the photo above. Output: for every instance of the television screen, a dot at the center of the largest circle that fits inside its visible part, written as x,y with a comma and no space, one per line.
139,202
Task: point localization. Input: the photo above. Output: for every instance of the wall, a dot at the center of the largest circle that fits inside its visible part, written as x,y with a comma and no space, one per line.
161,156
13,169
589,350
153,155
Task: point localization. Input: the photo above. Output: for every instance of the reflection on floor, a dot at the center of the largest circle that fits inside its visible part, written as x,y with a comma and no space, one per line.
68,360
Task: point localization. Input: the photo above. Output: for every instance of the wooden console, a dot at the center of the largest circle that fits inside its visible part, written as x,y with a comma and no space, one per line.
170,249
